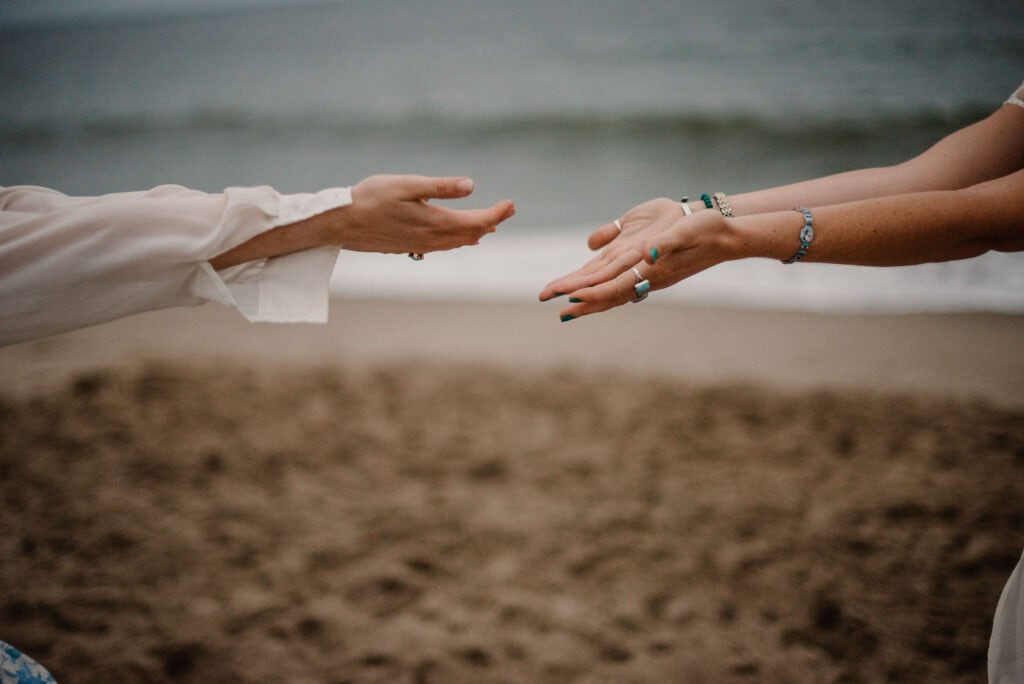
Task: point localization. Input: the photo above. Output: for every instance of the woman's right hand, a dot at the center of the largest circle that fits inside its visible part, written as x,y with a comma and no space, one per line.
393,215
389,214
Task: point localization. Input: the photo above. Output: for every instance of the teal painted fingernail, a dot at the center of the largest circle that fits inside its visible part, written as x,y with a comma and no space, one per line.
566,317
654,254
575,300
643,287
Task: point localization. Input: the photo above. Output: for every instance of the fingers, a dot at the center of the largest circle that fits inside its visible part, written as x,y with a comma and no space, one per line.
427,187
603,296
450,229
602,236
598,270
479,220
502,211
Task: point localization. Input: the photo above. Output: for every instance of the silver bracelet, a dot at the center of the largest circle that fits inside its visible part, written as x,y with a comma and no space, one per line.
806,236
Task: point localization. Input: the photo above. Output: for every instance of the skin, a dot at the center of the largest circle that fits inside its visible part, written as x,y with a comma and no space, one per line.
959,199
388,214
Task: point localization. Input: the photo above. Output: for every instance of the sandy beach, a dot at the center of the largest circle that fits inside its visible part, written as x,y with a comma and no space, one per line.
459,492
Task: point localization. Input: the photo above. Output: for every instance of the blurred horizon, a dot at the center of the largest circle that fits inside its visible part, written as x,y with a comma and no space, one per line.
28,13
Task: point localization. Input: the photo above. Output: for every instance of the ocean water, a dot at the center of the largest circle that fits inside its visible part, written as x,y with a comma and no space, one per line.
577,110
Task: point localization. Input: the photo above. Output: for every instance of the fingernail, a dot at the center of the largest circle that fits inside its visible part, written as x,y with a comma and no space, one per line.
643,287
464,185
654,254
575,300
566,317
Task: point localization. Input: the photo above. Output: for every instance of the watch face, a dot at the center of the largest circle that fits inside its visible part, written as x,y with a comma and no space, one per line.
807,234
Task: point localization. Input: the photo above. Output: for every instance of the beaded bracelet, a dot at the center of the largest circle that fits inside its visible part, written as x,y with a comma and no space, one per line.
723,203
806,235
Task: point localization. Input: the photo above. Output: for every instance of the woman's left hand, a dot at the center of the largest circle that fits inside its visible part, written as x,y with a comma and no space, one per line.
621,246
393,214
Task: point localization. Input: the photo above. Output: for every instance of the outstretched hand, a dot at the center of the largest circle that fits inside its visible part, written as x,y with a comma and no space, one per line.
657,240
389,214
393,214
620,251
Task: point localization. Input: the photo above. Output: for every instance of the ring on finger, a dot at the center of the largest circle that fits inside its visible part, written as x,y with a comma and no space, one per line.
416,256
618,225
642,287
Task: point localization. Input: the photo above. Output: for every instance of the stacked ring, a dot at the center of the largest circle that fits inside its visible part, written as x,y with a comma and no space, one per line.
618,225
415,256
642,287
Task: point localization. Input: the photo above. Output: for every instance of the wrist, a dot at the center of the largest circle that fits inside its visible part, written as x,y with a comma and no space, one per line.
317,219
771,236
734,239
332,227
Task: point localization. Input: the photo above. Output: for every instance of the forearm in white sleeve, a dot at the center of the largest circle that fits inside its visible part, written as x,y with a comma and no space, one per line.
69,262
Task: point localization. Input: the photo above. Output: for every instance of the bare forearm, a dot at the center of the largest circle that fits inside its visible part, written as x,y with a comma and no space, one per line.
978,153
839,188
896,230
276,242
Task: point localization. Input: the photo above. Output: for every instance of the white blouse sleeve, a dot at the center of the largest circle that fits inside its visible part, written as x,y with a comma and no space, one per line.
69,262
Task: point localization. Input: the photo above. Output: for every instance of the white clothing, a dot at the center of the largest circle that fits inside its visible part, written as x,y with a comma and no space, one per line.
69,262
1017,98
1006,645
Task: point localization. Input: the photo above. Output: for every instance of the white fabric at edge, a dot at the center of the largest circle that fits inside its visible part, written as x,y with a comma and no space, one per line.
1006,647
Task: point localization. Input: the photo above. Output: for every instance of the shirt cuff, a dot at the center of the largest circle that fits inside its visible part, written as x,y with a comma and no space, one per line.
301,206
290,289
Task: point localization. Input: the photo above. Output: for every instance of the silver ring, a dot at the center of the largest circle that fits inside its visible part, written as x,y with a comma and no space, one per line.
642,287
415,256
618,225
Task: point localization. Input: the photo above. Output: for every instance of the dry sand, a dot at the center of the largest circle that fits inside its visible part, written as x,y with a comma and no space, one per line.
428,492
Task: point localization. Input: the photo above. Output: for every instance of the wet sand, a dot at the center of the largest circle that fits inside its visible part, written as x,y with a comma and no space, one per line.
430,492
